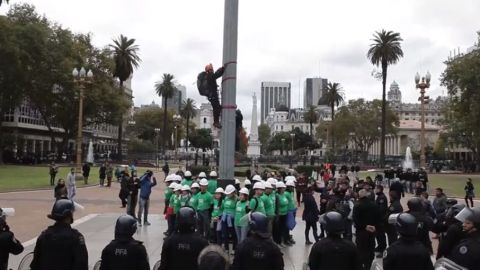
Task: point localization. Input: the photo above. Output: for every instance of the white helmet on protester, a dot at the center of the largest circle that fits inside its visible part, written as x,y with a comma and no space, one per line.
267,185
177,178
220,190
229,189
290,177
185,188
177,187
202,175
204,182
213,174
280,184
237,182
172,185
169,178
272,181
247,182
259,185
290,183
195,185
188,174
257,177
244,191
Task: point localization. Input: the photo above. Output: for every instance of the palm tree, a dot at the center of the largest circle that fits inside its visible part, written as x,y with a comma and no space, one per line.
166,89
332,97
311,117
126,59
384,51
188,111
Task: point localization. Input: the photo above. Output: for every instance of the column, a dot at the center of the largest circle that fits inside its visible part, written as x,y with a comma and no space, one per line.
34,142
399,143
41,148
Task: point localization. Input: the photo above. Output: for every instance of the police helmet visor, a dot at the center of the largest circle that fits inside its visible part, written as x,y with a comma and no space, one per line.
464,214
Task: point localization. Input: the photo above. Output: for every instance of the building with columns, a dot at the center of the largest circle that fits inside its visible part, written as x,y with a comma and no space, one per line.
282,119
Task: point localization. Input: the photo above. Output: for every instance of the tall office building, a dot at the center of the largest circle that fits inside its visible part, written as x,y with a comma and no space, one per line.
313,91
273,95
175,103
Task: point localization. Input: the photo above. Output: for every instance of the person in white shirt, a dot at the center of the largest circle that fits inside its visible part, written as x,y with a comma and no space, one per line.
71,185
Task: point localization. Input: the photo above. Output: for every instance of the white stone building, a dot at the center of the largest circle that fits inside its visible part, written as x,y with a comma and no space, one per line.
284,120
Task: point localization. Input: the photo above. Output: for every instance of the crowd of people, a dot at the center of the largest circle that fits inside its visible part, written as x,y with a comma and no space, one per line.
252,221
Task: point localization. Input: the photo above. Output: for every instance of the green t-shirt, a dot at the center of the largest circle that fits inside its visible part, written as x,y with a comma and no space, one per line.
240,211
205,201
261,206
212,186
193,201
269,206
175,203
229,205
168,193
187,182
291,201
282,203
217,211
184,200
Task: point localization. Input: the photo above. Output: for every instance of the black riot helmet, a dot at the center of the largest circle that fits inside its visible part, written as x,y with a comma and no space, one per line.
62,209
334,222
470,214
415,204
453,211
186,220
406,225
258,224
3,219
125,227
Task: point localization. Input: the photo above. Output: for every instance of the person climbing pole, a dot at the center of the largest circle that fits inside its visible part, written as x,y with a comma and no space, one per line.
207,86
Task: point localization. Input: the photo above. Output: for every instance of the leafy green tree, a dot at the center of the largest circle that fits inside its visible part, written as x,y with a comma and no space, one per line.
263,136
384,51
462,115
126,59
166,89
332,97
188,111
301,140
311,117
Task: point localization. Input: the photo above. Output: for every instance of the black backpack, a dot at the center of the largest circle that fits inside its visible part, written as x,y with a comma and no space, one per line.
202,84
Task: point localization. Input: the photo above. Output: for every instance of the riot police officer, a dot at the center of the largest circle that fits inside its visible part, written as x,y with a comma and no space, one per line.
452,232
60,246
8,242
394,208
181,250
334,252
407,252
467,252
124,252
258,252
416,207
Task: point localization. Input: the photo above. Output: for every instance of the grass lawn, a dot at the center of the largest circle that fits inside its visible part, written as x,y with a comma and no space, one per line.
452,184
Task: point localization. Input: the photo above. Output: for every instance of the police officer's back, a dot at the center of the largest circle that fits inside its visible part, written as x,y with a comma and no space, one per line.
60,247
8,242
258,252
407,252
124,252
467,252
181,250
333,252
416,207
451,231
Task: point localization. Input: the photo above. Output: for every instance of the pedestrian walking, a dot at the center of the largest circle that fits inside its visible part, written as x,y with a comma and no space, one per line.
102,173
60,191
124,252
166,169
109,174
71,184
123,193
380,230
53,170
86,171
147,182
310,215
301,187
469,192
133,185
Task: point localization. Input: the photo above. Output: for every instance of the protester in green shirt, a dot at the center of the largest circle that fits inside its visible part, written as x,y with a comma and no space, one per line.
174,205
217,215
292,208
185,197
195,189
188,179
240,211
228,218
256,203
212,182
281,235
205,203
168,210
269,205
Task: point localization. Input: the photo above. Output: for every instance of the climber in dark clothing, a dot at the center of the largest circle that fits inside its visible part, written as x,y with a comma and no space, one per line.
212,90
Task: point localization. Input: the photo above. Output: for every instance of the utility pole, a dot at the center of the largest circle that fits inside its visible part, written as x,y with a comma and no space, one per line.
229,93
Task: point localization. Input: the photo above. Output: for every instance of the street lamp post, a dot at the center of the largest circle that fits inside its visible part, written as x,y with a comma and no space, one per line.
292,135
81,77
283,146
176,119
157,132
422,84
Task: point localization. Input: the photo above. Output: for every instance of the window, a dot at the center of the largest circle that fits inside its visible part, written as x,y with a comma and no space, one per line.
281,128
204,120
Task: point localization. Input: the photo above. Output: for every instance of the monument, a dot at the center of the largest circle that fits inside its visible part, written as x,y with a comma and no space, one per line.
253,150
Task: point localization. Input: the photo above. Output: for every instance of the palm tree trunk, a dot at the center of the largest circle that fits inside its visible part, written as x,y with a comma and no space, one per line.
120,131
311,129
384,105
164,128
186,142
331,129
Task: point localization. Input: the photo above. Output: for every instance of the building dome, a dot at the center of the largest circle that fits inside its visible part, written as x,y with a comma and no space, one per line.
395,95
281,108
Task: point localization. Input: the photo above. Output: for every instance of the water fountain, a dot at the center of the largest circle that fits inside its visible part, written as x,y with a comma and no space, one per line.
90,152
408,162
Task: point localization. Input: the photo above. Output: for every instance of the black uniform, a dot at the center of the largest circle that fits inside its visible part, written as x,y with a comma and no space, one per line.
8,244
180,251
212,87
382,205
450,240
425,225
255,253
394,208
398,188
467,252
407,254
365,213
125,255
334,252
60,247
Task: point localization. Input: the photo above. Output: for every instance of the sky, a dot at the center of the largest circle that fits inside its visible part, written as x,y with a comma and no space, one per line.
279,40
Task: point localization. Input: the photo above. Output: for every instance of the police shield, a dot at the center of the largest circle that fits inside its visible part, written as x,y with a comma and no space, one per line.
377,264
156,266
97,265
446,264
26,261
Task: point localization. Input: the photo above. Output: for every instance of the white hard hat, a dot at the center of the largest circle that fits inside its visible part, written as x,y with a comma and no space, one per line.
247,182
169,178
195,185
172,185
237,181
257,177
204,182
244,191
259,185
185,188
280,185
272,181
229,189
290,183
177,177
177,187
219,190
267,185
202,175
213,174
290,177
188,174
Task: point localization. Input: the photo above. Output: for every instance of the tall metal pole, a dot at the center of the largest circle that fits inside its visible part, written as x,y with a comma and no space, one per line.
422,132
229,93
80,129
